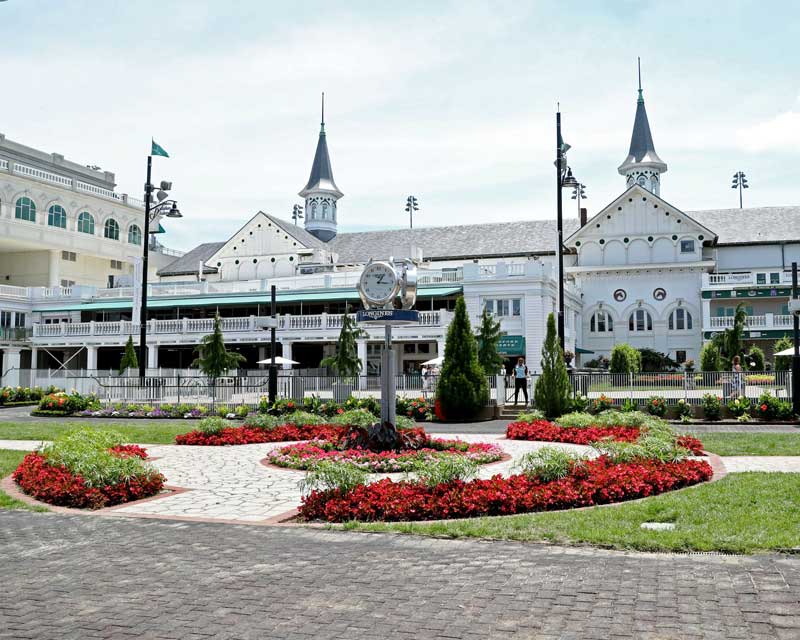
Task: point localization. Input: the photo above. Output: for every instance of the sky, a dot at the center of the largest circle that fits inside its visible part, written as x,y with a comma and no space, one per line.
453,102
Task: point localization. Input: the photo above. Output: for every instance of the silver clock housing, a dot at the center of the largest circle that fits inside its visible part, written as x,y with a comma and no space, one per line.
370,302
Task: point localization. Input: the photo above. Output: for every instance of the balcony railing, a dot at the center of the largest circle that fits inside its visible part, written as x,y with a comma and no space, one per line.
768,321
748,278
204,326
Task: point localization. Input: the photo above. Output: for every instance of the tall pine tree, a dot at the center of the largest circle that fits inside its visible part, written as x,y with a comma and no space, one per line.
129,358
462,389
214,359
345,361
488,339
553,390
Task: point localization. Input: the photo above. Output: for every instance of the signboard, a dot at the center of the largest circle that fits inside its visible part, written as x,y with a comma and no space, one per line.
388,316
511,346
773,292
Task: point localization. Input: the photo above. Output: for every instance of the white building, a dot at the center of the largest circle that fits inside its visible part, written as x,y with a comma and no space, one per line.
640,271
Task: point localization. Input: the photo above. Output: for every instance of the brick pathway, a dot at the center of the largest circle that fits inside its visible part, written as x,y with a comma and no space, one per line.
74,577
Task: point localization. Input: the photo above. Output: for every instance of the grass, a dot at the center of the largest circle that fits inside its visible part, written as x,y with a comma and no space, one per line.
140,431
9,460
751,444
742,513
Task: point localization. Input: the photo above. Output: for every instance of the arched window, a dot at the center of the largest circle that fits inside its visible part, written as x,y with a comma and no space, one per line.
25,210
56,216
111,229
640,320
680,320
134,234
313,211
86,223
324,210
601,322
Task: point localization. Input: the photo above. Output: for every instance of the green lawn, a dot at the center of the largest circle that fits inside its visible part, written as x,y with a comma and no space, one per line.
9,460
742,513
140,431
752,444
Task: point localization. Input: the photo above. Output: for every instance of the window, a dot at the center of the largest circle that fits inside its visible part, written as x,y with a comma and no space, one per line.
680,357
19,320
67,284
111,229
761,278
503,307
601,322
729,312
640,320
69,256
680,320
57,217
134,234
687,246
25,210
775,278
5,319
86,222
116,264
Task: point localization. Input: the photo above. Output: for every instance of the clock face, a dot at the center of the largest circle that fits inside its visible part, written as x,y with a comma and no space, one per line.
379,283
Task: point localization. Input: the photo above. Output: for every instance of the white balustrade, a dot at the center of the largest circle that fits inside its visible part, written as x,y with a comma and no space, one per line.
41,174
10,291
516,269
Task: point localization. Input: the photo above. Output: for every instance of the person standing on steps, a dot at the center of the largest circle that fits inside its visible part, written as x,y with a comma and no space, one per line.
520,380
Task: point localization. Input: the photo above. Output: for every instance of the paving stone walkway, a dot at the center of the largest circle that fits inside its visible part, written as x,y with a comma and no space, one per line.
231,484
70,577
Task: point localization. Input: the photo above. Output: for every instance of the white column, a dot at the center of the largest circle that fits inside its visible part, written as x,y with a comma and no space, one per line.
11,364
361,345
262,354
706,302
287,353
34,359
54,269
152,356
91,358
440,347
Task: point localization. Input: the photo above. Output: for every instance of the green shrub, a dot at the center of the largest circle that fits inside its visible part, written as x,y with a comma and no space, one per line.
657,443
783,363
553,390
755,359
404,422
241,411
683,409
263,421
601,403
577,420
579,403
85,452
625,359
328,476
212,426
656,406
549,463
356,418
770,408
739,406
629,404
299,418
712,406
610,418
444,468
531,416
710,359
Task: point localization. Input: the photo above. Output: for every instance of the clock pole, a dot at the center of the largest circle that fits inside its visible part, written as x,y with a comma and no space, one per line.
388,380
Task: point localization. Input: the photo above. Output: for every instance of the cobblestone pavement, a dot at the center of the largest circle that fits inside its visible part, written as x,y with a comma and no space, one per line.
230,483
70,577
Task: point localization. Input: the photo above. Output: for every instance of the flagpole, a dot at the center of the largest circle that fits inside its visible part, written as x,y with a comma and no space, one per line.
148,190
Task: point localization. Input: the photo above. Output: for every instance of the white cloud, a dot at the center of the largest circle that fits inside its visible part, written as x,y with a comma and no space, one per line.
781,133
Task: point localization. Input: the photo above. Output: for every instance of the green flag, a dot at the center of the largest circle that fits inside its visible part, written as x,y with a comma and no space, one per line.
157,149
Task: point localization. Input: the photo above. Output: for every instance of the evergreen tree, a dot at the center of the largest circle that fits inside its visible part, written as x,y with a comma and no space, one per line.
129,358
730,342
709,357
462,389
488,338
553,390
346,361
214,359
783,363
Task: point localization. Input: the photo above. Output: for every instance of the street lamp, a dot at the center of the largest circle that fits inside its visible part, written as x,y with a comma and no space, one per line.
169,209
740,182
411,207
297,213
579,194
564,179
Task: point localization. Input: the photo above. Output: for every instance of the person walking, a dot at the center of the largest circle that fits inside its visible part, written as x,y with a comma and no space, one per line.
520,380
738,377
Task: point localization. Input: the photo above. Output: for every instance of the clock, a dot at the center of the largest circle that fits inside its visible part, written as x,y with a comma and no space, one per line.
379,284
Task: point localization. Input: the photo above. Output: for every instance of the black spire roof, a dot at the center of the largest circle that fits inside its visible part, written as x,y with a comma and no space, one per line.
642,148
321,178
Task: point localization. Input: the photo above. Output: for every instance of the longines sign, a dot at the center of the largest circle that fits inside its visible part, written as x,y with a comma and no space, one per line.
388,316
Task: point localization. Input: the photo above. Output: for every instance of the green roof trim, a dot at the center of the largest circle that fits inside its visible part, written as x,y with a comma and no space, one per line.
235,300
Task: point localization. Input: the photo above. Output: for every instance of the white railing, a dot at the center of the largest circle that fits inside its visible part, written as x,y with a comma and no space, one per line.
487,270
749,278
516,269
57,292
176,253
768,321
436,277
41,174
10,291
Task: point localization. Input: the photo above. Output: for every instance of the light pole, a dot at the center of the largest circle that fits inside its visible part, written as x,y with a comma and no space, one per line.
740,182
564,178
297,213
411,207
151,214
579,194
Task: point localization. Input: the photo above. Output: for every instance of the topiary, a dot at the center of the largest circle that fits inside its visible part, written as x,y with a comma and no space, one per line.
625,359
709,357
552,392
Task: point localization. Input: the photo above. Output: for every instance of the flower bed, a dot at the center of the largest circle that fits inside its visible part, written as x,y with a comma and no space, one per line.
549,432
255,435
307,454
62,404
88,469
597,481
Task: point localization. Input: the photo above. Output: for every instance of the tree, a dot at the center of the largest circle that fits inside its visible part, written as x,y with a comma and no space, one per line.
730,341
462,389
756,357
709,357
783,363
553,390
625,359
129,358
653,360
346,361
488,338
214,359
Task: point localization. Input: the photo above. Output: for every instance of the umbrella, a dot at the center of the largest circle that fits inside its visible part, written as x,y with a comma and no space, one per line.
435,361
785,352
278,360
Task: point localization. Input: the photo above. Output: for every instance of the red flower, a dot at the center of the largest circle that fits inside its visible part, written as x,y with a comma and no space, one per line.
340,410
763,407
549,432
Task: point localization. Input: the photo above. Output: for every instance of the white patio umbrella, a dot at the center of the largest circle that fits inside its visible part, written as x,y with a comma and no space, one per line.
435,361
785,352
278,360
